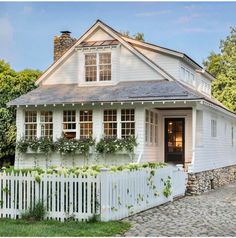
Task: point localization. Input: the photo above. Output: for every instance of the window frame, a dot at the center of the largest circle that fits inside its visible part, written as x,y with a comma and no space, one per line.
127,122
98,66
28,123
85,122
73,130
151,127
213,128
115,122
41,123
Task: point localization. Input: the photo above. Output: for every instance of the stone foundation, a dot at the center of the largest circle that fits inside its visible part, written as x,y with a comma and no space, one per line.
207,180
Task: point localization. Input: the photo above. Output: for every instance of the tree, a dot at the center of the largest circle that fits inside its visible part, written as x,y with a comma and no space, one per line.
12,85
138,36
223,67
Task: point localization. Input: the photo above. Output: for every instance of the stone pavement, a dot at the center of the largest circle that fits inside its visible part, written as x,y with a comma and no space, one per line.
209,214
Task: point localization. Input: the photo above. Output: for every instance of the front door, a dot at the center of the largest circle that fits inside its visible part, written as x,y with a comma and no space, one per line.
174,140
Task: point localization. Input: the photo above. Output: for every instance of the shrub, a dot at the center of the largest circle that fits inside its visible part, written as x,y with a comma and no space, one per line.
36,213
113,145
22,145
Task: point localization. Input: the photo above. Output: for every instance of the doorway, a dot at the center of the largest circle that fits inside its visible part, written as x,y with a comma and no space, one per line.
174,140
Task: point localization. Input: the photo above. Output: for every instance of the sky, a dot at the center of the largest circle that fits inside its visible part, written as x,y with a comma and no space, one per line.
195,28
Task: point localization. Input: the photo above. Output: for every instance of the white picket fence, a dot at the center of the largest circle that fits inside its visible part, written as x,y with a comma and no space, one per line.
112,195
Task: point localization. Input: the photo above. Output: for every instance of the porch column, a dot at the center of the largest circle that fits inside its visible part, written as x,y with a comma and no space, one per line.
194,125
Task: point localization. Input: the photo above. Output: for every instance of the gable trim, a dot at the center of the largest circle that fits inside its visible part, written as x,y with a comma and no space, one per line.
112,33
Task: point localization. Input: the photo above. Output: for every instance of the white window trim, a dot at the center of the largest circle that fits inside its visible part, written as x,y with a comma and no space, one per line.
44,123
84,122
121,122
108,82
76,122
214,131
155,125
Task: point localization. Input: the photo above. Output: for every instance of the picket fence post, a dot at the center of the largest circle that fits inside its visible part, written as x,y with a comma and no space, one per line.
104,191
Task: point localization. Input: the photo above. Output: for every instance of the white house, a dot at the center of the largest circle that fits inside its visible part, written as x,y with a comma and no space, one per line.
106,84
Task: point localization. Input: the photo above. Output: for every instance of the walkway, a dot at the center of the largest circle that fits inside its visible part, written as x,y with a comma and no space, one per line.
210,214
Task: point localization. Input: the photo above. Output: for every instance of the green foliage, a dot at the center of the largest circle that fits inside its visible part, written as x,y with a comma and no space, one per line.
113,145
12,85
62,145
87,170
167,187
223,67
22,145
138,36
36,213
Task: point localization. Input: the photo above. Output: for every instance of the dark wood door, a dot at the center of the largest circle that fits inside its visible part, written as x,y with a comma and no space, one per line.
174,140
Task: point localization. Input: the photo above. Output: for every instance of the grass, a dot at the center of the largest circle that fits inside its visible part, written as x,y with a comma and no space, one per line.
55,228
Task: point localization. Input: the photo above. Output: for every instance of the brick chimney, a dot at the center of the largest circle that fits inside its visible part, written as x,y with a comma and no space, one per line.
62,43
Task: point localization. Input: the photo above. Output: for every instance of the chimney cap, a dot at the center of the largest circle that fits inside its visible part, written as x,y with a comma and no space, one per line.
65,32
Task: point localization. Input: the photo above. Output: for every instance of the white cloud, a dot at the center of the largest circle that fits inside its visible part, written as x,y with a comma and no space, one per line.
188,18
192,7
27,10
153,13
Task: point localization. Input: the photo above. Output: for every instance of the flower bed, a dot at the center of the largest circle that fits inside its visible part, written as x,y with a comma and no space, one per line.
73,146
86,170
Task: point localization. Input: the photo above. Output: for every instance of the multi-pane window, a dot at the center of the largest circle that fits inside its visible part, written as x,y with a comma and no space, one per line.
151,127
46,124
30,124
213,128
69,124
110,123
127,123
104,66
187,76
86,124
90,67
98,67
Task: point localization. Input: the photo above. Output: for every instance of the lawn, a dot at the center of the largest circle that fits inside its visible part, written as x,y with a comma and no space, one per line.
54,228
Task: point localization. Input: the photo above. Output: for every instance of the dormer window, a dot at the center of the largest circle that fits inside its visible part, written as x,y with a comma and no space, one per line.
98,67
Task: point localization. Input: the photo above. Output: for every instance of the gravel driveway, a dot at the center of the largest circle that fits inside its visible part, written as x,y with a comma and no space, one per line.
209,214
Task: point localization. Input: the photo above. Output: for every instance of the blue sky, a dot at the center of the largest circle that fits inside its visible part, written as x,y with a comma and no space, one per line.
27,28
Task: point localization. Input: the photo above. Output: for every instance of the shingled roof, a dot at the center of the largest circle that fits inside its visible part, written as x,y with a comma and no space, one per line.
123,91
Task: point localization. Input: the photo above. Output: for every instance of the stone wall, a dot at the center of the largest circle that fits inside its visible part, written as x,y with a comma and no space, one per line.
62,43
207,180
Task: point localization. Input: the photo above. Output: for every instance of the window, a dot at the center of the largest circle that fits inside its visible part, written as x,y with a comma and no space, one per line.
187,76
90,67
213,128
232,135
30,124
147,127
151,127
110,123
127,123
206,87
46,124
69,124
86,124
97,67
105,66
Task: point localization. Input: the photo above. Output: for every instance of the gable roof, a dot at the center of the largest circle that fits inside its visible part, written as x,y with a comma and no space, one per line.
113,33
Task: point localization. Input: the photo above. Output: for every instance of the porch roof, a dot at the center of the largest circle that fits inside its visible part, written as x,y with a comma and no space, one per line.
121,92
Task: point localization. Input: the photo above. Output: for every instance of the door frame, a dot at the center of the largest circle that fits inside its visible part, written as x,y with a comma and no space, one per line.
165,135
